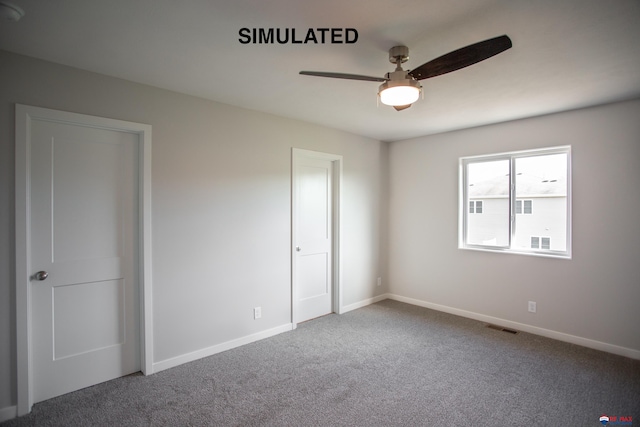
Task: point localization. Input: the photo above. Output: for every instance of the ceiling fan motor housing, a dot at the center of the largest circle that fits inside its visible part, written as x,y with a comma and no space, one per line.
400,78
398,53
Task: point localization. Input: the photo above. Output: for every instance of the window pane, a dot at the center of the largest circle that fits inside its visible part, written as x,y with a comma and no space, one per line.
546,243
542,180
471,204
488,184
535,244
518,206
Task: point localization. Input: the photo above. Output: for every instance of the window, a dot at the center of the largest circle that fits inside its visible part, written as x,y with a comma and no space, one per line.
528,206
505,188
536,241
475,206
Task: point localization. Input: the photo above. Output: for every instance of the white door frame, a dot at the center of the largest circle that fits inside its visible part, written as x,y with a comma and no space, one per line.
24,116
336,304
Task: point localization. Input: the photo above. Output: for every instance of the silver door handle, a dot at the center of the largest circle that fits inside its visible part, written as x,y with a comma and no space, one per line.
298,248
41,275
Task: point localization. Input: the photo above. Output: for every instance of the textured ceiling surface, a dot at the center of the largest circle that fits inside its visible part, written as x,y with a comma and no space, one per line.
566,54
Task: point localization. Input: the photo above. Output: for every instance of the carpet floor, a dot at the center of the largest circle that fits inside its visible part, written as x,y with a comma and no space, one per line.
387,364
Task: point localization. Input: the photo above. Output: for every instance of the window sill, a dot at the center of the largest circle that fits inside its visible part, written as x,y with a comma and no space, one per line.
556,255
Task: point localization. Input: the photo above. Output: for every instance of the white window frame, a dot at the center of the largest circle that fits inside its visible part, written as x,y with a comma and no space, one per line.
463,202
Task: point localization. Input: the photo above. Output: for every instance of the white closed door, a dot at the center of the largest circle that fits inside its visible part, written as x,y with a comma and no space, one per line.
84,252
313,235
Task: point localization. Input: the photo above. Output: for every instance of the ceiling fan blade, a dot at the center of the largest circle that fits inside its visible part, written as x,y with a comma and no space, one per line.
401,107
343,76
462,58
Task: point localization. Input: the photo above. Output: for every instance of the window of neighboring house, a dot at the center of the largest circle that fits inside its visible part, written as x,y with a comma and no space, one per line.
510,184
540,242
475,206
528,206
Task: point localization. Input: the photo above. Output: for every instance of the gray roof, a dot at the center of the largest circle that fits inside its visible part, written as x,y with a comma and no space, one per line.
527,186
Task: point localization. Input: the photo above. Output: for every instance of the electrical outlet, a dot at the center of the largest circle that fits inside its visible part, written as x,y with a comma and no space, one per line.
257,312
532,306
379,281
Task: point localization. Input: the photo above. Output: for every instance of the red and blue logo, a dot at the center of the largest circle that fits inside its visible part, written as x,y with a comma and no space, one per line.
616,421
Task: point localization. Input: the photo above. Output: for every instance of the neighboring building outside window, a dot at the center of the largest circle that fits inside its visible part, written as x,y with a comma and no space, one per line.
507,186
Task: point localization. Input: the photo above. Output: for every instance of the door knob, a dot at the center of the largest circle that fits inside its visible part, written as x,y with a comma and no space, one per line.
298,248
41,275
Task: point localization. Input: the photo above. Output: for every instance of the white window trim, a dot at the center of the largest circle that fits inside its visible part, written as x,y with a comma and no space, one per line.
463,202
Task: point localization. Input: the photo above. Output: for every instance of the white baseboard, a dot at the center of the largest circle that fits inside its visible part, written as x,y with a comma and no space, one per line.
585,342
363,303
560,336
210,351
8,413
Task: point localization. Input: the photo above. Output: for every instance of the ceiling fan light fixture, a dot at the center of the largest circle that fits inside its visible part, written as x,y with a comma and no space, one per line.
399,92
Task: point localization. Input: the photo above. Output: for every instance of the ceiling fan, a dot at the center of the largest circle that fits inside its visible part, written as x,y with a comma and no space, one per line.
401,88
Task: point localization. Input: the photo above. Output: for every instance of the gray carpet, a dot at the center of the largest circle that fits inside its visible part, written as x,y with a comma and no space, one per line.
388,364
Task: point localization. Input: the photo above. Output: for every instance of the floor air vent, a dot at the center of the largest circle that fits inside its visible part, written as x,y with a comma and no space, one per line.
500,328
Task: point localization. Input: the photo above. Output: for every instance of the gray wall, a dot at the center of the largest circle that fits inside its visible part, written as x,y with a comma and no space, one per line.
221,206
594,295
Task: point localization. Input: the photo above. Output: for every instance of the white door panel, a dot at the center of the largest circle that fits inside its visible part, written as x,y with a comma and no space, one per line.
314,198
87,211
84,234
314,280
103,323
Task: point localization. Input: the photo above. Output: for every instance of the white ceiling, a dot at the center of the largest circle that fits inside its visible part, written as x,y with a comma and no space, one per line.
566,54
